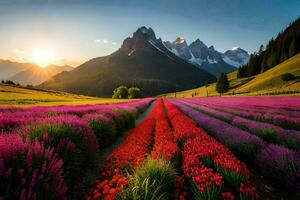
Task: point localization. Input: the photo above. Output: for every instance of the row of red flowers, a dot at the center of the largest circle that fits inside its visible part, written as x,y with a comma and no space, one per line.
164,145
129,154
206,162
132,152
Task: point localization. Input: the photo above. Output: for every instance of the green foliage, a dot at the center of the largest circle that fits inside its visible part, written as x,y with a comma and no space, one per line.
234,178
129,119
105,133
9,82
209,193
71,144
120,92
222,84
134,93
287,77
242,72
283,47
268,134
155,179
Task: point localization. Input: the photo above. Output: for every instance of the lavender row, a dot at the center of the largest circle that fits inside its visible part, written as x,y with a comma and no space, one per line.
284,102
268,132
277,161
277,119
13,117
242,143
246,106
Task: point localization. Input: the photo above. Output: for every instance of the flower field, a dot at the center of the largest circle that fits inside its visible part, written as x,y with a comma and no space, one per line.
254,129
208,148
205,169
46,151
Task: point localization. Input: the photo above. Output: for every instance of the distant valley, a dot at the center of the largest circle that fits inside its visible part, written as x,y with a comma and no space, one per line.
29,73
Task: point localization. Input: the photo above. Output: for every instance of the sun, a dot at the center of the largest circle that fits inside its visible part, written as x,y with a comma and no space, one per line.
43,57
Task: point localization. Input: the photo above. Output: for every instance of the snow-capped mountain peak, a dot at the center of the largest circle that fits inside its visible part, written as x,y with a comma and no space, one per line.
234,48
206,57
179,40
236,57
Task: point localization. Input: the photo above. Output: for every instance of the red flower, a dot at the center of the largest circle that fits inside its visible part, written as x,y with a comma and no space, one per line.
227,196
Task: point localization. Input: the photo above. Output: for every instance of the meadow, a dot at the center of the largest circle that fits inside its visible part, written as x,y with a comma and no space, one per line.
29,96
229,148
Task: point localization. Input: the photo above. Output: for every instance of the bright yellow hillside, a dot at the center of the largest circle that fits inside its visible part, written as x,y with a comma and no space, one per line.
271,79
267,83
14,95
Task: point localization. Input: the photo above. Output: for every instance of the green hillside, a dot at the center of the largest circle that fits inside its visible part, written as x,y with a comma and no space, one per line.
17,95
267,83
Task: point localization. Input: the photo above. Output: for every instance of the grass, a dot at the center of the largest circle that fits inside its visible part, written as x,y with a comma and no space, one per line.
27,96
155,179
267,83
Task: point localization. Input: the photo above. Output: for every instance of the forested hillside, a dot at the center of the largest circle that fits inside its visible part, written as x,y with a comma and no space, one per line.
283,47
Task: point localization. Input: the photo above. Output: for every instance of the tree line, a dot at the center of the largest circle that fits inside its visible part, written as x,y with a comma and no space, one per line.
283,47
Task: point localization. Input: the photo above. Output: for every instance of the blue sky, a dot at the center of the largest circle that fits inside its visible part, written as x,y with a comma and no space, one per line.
77,31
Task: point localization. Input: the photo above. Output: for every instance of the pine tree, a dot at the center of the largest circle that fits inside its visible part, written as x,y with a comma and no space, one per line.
292,48
261,49
222,84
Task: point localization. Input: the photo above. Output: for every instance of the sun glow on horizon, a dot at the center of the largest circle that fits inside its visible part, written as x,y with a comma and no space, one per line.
43,57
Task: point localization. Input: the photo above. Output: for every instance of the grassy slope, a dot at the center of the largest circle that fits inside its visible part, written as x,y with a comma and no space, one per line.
266,83
14,95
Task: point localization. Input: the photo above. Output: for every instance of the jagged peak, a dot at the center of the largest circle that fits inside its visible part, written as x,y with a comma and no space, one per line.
211,48
148,33
237,49
180,40
140,38
198,42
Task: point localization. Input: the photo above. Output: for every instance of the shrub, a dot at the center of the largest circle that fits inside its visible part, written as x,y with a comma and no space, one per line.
29,170
155,179
103,128
120,92
9,82
134,93
287,77
126,120
72,139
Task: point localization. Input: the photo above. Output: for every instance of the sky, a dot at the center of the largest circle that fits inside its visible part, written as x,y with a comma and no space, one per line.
74,31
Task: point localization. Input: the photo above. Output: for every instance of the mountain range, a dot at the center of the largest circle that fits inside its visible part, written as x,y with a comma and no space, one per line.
28,73
142,61
9,68
36,75
208,58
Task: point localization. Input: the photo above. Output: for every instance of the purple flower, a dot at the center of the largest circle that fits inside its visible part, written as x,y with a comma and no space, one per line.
281,163
235,138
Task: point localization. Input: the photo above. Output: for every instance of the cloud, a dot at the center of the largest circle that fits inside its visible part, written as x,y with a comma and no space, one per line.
20,55
104,41
19,51
97,41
